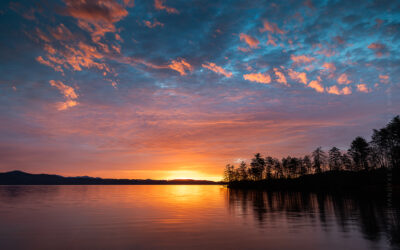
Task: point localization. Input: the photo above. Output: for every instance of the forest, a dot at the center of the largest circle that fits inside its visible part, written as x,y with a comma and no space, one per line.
381,153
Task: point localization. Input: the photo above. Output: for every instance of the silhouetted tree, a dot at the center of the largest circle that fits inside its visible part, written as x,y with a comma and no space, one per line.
278,168
346,162
359,150
243,171
319,159
269,163
307,163
229,173
303,166
335,158
386,143
257,166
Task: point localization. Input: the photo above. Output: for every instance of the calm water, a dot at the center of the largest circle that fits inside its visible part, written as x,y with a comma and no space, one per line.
190,217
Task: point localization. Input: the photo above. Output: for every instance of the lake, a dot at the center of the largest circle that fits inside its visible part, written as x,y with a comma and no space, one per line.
191,217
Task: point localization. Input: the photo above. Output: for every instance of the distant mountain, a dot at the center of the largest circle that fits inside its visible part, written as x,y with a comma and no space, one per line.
22,178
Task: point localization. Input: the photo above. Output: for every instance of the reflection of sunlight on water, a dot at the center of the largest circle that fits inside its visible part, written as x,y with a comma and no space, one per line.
188,217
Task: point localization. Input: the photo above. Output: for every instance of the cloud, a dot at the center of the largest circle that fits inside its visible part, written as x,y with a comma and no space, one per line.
298,76
378,48
61,33
159,5
180,65
68,92
301,59
217,69
346,90
363,88
97,17
271,27
271,41
251,41
336,91
243,49
49,64
317,86
258,77
151,25
384,79
281,77
329,67
343,79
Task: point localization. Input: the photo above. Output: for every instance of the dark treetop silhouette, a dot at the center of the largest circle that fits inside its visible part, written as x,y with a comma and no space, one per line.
365,164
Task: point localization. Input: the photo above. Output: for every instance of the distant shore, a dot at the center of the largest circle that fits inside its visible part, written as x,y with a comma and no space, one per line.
23,178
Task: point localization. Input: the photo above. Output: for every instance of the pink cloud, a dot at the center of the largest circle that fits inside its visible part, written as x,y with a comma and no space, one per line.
251,41
336,91
271,27
69,94
384,79
258,77
281,77
343,79
298,76
96,17
301,59
271,40
329,67
317,86
180,65
151,25
243,49
363,88
159,5
376,46
217,69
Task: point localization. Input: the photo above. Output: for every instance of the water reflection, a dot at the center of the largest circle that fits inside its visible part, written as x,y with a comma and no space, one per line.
191,217
369,215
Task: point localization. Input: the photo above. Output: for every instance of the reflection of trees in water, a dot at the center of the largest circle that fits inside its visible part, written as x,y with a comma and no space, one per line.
370,214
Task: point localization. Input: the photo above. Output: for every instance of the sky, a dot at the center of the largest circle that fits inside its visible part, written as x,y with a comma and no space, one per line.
178,89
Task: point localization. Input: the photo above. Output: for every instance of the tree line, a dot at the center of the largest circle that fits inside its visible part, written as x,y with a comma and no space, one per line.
383,151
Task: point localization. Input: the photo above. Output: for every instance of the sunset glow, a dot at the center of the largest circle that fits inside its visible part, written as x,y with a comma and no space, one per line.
178,89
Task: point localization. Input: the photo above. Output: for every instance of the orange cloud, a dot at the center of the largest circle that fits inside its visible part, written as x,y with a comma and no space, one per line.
271,40
181,66
151,25
97,17
68,92
61,33
375,46
281,77
384,78
317,86
302,59
343,79
243,49
335,90
329,67
49,64
363,88
251,41
298,76
346,90
379,48
258,77
217,69
271,27
159,5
